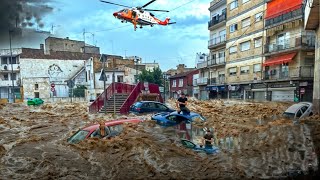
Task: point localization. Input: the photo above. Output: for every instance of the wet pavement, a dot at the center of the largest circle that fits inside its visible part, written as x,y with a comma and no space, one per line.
254,142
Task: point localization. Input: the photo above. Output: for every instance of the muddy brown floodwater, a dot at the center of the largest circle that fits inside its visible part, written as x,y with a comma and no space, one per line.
254,142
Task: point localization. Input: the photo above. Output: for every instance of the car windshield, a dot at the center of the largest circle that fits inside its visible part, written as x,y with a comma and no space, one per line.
288,115
137,104
198,118
78,136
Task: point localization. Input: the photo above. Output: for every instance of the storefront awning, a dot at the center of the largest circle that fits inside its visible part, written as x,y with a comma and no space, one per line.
279,59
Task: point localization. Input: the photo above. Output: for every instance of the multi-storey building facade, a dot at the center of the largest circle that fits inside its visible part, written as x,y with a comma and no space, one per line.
10,82
245,29
217,46
312,21
212,69
289,54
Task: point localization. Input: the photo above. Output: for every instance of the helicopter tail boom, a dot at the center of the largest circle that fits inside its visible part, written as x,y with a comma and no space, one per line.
165,22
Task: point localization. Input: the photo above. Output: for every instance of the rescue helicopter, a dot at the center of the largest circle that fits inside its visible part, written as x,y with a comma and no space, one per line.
139,16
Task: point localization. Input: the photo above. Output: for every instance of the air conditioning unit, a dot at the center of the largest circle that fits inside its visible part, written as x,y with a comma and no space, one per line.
5,67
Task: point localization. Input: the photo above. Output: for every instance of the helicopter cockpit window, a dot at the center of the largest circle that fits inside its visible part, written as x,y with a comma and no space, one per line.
126,10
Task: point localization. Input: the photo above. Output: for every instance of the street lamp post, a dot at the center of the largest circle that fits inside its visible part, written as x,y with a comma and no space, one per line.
164,87
12,90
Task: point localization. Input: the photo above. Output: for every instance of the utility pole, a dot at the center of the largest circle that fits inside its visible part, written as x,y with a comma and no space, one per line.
104,58
12,90
114,87
84,40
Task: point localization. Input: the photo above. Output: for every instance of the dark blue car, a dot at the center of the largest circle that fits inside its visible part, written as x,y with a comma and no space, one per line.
174,118
209,150
149,107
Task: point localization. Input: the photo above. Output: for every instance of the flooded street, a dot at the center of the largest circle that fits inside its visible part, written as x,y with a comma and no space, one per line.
253,140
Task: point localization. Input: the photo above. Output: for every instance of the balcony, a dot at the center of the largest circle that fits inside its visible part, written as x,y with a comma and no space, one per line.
8,67
216,80
217,62
215,42
6,83
202,81
217,20
217,3
311,15
283,18
302,42
295,73
202,65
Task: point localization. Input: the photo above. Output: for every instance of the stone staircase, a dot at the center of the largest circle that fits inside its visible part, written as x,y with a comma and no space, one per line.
119,100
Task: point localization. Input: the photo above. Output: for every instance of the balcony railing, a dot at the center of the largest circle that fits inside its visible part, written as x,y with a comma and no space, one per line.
218,61
217,40
299,72
202,65
218,19
284,17
305,41
4,83
202,81
216,80
8,67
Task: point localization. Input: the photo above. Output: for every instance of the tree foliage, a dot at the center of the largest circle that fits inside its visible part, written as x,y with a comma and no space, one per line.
152,77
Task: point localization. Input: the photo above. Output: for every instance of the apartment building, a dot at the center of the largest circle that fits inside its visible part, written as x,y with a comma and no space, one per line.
10,82
288,69
244,49
312,21
210,83
217,46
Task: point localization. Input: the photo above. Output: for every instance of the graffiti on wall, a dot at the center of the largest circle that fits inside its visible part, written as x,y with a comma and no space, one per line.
54,71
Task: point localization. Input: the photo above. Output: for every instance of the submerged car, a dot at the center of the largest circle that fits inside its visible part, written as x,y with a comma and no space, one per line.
299,111
209,150
175,118
149,107
35,102
114,128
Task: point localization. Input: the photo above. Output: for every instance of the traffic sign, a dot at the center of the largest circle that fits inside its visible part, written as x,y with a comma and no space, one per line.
70,83
52,85
53,89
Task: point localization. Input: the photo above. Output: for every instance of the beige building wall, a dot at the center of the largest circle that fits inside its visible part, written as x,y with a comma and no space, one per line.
242,7
253,34
244,77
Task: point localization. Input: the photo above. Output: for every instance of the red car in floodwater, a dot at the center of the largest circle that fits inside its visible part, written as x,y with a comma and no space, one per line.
114,127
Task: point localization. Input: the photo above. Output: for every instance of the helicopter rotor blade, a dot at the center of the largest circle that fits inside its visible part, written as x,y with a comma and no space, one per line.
114,4
155,10
148,3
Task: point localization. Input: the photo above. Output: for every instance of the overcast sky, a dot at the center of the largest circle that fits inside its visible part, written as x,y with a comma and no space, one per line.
167,45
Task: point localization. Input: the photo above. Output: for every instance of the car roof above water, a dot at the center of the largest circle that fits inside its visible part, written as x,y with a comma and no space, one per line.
111,123
294,108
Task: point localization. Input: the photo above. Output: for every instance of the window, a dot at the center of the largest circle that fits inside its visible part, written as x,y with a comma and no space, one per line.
232,49
14,60
233,28
244,1
256,68
258,17
233,71
13,76
36,95
180,82
6,77
174,83
244,70
233,4
119,78
246,22
36,86
4,60
245,46
258,42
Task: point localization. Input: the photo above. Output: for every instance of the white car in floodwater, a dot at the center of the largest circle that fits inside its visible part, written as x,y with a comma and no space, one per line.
299,111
